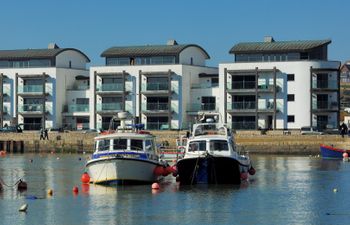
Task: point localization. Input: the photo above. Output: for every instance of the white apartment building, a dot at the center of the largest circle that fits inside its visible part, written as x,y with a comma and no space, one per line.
162,86
280,85
43,87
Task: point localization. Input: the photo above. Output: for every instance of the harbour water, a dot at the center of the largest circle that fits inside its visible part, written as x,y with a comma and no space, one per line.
285,190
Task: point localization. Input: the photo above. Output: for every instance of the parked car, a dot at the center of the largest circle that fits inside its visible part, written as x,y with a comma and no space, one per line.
310,131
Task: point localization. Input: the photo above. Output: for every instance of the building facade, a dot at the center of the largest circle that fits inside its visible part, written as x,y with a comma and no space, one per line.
280,85
162,86
35,85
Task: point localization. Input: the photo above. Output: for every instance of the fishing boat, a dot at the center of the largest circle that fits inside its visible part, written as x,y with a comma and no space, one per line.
331,152
211,157
126,155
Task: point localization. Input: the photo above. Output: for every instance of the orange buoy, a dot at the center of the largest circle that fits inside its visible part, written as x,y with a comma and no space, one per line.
50,192
75,190
2,153
85,178
155,186
251,171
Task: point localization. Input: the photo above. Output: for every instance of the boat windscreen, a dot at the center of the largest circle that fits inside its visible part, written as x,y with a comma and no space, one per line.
103,145
136,144
197,146
209,129
120,144
218,145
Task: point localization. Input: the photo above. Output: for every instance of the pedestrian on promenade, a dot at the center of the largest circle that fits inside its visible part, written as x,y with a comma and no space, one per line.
343,129
41,134
46,134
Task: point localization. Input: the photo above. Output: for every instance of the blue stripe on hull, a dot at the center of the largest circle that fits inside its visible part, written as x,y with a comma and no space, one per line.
329,152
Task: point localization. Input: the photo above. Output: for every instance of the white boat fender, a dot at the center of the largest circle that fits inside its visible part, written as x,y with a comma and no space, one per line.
23,208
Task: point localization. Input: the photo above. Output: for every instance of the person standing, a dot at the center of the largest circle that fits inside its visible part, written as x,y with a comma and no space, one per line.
41,134
46,134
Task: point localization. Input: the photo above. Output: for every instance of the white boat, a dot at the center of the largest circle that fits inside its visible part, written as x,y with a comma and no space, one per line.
125,156
211,157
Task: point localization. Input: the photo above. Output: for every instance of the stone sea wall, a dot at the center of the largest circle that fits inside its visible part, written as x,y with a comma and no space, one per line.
273,142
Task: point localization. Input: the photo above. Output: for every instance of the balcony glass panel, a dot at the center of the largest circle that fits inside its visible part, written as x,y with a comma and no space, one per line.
245,125
241,105
30,108
30,89
326,84
78,108
155,106
155,87
110,87
109,107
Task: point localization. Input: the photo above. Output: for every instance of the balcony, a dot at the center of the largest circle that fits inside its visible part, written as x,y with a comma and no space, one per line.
155,107
244,125
242,106
114,87
157,126
201,107
324,106
241,86
109,107
203,86
164,86
6,91
74,108
325,84
79,87
33,90
30,108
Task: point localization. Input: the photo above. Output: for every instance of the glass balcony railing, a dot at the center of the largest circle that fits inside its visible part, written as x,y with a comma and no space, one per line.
109,106
78,108
204,85
157,126
110,87
6,91
325,105
155,106
241,85
201,107
325,84
241,105
155,87
30,108
244,125
30,89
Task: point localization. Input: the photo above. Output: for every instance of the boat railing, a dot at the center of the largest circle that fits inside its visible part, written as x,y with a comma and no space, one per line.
210,129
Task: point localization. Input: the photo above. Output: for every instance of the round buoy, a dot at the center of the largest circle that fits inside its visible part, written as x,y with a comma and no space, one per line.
345,155
2,153
244,176
22,186
75,190
251,171
50,192
335,190
155,186
23,208
85,178
158,170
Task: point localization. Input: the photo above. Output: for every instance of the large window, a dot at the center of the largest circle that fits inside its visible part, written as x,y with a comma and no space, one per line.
119,144
154,60
290,98
218,145
197,146
33,63
136,145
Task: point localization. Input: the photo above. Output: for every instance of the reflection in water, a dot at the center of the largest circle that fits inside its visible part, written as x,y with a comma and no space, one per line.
285,190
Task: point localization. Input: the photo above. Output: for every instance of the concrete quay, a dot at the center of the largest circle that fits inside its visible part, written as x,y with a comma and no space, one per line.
273,142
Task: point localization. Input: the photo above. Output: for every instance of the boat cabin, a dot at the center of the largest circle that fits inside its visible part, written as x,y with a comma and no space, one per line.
127,143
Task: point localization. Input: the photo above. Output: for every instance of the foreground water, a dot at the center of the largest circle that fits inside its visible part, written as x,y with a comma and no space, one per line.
285,190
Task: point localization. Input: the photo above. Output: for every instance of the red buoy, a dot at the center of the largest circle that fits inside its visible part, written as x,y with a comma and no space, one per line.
158,170
155,186
2,153
251,171
345,155
244,176
75,190
85,178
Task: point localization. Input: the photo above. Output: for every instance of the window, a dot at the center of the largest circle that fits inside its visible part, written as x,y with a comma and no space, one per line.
119,144
208,103
218,145
197,146
103,145
136,145
214,81
149,145
290,77
290,119
290,98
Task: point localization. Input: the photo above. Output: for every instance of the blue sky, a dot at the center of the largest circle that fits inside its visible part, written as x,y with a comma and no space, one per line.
93,26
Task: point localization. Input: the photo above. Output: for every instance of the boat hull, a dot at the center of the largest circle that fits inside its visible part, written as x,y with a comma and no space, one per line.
331,152
121,171
210,170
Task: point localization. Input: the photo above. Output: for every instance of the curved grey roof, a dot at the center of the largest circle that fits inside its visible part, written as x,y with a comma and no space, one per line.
35,53
278,46
149,50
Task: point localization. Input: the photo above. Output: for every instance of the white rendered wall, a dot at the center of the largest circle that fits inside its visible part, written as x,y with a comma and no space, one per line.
197,55
300,87
78,61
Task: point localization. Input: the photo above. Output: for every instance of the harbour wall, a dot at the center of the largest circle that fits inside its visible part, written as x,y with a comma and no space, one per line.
271,142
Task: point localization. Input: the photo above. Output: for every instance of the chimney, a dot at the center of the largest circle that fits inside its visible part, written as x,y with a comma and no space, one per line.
171,42
52,46
268,39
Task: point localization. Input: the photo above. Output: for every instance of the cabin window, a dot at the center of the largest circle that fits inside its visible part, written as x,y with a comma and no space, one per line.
136,145
119,144
197,146
103,145
218,145
149,145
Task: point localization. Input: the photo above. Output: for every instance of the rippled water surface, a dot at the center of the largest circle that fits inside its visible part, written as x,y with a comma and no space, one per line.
285,190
